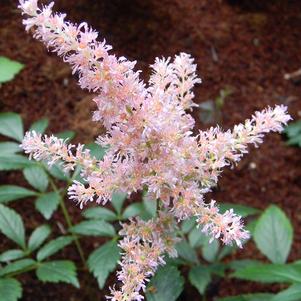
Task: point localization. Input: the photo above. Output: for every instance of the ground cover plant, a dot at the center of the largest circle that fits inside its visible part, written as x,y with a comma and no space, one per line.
153,288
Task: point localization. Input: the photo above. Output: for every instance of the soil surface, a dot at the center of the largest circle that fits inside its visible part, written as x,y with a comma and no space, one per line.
247,46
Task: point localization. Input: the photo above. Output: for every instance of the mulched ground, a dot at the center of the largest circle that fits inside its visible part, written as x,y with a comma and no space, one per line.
247,45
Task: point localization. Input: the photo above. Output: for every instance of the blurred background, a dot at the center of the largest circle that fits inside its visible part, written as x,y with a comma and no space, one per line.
248,54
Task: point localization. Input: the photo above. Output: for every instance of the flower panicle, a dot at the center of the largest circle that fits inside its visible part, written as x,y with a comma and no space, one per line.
144,244
151,143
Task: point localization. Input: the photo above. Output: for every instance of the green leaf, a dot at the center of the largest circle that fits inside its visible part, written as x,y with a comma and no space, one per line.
99,213
17,266
150,206
9,148
12,225
11,255
188,224
293,131
186,251
10,193
210,250
40,126
167,284
96,150
38,236
243,263
47,203
66,135
273,234
225,251
197,238
94,228
135,209
270,273
240,210
249,297
15,162
57,172
58,271
118,199
293,293
53,247
11,125
9,69
199,277
10,289
36,177
103,261
217,268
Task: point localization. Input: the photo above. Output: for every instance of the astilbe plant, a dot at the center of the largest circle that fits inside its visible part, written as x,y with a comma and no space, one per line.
151,145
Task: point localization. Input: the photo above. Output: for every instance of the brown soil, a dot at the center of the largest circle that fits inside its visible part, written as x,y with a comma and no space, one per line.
245,45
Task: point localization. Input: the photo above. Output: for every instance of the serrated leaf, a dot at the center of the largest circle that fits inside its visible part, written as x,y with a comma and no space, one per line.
40,126
118,199
38,236
199,277
66,135
15,162
11,225
94,228
10,289
273,234
11,255
36,177
135,209
99,213
53,247
186,252
17,266
167,284
9,69
270,273
293,293
47,203
249,297
210,250
188,224
57,172
197,238
96,150
58,271
10,193
240,210
103,261
11,125
9,148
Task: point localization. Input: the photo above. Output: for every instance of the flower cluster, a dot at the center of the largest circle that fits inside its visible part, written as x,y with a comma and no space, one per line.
150,139
144,245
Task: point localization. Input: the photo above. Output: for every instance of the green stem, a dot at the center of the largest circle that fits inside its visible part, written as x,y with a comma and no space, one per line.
69,223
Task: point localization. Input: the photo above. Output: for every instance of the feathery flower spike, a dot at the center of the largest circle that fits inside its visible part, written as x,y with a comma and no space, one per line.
149,131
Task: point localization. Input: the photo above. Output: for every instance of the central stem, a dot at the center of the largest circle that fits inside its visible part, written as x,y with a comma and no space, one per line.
69,223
